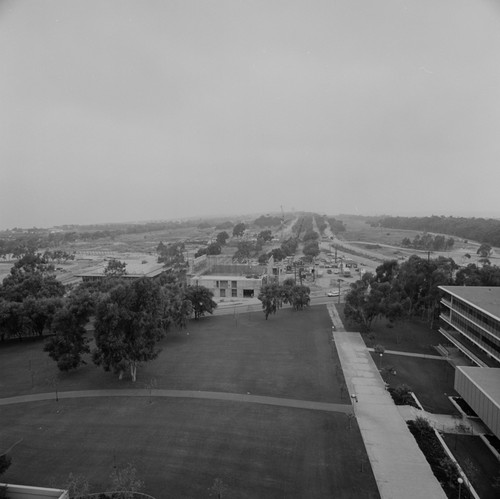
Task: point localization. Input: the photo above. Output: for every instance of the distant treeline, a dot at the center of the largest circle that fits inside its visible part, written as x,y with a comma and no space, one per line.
267,221
18,242
483,230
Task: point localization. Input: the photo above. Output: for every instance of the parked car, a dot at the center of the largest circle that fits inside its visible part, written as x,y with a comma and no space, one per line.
333,293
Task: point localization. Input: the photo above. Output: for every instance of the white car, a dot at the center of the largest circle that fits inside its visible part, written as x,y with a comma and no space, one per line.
333,293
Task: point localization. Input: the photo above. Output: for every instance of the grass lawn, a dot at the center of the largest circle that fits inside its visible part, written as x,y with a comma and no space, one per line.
410,336
431,380
477,461
180,446
289,355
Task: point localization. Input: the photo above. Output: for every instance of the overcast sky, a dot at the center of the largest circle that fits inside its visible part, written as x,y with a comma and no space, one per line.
145,110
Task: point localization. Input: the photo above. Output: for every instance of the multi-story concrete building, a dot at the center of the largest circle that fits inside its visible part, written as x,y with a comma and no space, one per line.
470,320
229,286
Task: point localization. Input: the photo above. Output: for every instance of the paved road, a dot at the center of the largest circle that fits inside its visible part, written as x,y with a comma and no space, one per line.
137,392
254,305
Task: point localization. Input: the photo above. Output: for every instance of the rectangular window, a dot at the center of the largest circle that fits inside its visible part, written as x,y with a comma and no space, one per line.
222,293
216,284
234,293
234,284
223,284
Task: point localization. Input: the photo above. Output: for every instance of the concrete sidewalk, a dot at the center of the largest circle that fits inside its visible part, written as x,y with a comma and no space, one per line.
145,392
399,467
411,354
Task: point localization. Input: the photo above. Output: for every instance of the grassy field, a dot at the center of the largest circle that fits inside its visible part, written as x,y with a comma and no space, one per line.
478,463
289,355
180,446
431,380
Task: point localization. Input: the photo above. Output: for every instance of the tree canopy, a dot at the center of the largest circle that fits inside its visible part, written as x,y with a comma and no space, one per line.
201,300
239,229
128,325
400,290
115,268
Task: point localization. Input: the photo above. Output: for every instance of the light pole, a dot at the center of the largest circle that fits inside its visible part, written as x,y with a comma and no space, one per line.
460,482
380,364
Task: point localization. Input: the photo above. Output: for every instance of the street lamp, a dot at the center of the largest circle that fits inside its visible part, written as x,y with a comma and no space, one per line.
460,482
380,365
339,281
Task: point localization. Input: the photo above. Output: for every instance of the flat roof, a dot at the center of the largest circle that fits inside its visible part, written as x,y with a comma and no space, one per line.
226,277
487,379
133,269
486,298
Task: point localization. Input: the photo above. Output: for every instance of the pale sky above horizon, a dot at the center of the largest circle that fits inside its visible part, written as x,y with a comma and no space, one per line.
114,111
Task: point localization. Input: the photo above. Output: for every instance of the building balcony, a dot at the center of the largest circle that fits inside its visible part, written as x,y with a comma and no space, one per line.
469,348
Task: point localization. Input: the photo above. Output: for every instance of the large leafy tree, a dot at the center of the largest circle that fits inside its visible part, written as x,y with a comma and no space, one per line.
297,295
39,313
214,249
20,284
68,345
244,251
171,254
484,250
222,238
239,229
11,319
311,249
115,268
265,235
271,296
300,296
363,301
129,323
176,307
200,299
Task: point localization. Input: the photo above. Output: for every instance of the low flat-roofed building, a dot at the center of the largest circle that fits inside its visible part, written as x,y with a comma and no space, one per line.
27,492
134,270
470,319
480,388
229,286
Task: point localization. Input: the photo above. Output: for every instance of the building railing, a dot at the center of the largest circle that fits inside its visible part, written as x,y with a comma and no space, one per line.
454,338
459,328
485,327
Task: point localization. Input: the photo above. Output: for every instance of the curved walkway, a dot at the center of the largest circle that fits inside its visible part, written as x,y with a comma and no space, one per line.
138,392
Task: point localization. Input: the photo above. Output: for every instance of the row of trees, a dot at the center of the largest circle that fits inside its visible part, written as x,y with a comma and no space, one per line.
287,248
429,242
214,248
268,221
130,316
484,230
397,291
274,295
30,296
410,289
171,254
